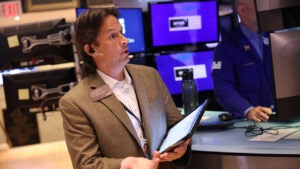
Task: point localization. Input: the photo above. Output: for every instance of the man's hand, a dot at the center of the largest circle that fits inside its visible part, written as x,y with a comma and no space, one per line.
176,153
259,114
140,162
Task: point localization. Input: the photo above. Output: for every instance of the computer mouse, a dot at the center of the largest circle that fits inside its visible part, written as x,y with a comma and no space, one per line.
225,117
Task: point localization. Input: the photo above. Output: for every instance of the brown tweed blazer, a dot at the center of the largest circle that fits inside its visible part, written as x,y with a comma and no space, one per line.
99,134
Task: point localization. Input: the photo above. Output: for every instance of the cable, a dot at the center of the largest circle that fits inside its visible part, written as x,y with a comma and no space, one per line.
44,102
254,129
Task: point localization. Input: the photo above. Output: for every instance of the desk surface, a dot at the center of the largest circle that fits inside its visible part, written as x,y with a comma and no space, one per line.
234,141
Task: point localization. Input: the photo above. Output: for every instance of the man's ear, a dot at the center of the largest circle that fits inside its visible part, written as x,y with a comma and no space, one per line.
242,9
88,49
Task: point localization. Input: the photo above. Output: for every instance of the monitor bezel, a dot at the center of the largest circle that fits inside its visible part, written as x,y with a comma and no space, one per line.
287,107
178,95
11,43
19,93
184,46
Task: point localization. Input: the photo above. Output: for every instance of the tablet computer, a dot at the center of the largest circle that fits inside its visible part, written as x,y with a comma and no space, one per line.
183,130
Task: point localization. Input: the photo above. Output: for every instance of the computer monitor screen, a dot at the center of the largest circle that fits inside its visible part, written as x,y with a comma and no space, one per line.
33,44
285,59
182,23
15,71
131,20
171,66
31,91
226,25
79,11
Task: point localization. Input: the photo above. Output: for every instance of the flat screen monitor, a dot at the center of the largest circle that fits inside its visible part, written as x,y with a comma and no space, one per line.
183,23
226,25
32,92
274,15
34,44
285,59
171,66
131,20
15,71
79,11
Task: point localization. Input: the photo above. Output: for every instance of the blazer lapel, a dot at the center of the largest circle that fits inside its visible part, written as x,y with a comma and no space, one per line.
113,104
246,44
140,90
144,103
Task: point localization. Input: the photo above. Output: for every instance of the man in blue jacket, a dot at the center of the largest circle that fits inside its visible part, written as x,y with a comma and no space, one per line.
242,70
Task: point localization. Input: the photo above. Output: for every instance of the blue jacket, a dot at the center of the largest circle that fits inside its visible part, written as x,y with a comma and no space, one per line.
241,79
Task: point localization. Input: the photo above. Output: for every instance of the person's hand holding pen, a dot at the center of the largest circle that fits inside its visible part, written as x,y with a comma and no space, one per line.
259,114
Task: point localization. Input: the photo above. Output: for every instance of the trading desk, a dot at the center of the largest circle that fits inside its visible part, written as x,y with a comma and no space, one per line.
232,142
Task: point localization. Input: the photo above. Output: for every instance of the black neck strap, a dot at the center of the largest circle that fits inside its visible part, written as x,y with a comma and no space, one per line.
133,115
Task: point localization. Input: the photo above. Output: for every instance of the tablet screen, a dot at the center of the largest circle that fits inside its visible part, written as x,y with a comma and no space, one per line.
183,129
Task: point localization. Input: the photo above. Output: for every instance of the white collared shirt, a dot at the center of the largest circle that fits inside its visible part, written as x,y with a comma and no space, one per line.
125,92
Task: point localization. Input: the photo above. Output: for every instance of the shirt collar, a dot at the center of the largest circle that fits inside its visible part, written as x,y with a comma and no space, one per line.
248,33
113,83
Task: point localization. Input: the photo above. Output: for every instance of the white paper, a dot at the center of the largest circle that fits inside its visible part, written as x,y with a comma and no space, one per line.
295,135
272,137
